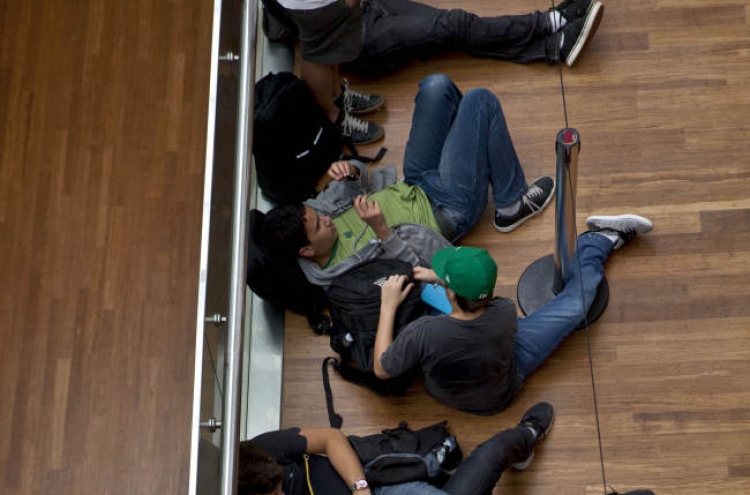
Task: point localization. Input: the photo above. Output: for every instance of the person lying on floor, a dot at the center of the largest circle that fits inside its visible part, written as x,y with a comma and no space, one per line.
477,357
273,463
375,37
459,145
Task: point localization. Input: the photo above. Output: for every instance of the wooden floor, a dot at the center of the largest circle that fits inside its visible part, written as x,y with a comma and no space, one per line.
662,102
103,108
102,141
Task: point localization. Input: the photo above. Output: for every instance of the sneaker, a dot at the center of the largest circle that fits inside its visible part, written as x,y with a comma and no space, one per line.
449,455
539,418
358,130
575,9
625,227
357,103
532,203
577,34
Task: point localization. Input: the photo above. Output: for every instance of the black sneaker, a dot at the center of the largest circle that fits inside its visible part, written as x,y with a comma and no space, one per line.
449,455
358,130
357,103
575,9
624,226
532,203
577,34
539,418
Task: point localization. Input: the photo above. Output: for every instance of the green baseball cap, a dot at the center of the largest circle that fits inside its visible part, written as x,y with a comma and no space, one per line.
468,271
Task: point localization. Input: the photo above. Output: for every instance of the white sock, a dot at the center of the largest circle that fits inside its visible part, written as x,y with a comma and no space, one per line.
509,210
562,39
611,235
556,20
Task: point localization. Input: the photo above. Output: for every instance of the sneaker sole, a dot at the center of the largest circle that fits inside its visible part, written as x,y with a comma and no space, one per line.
375,139
593,18
372,109
617,222
522,466
514,226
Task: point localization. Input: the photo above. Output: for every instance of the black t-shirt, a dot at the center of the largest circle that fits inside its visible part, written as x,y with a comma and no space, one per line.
288,447
469,365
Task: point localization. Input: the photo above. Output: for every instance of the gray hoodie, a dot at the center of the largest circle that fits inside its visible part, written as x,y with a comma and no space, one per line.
409,242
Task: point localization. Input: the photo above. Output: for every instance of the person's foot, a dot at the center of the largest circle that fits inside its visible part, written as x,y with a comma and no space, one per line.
575,9
575,36
619,228
357,103
358,130
532,203
538,419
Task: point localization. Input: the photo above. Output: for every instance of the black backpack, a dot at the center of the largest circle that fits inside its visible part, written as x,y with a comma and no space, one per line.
354,302
280,280
294,143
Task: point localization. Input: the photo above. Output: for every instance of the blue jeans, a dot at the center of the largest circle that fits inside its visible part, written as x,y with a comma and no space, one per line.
398,31
543,330
477,474
457,147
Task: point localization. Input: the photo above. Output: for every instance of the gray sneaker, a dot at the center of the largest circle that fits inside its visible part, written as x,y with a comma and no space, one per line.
357,103
624,226
358,130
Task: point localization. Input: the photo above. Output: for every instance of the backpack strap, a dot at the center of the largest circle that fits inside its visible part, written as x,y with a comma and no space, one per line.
356,156
334,419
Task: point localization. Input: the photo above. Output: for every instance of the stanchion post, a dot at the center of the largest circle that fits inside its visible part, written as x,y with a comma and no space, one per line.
545,277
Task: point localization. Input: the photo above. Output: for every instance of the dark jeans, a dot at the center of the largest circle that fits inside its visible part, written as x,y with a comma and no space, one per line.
477,474
397,31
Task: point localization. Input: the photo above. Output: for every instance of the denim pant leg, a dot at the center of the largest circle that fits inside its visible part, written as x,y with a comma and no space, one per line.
541,332
478,474
397,31
457,148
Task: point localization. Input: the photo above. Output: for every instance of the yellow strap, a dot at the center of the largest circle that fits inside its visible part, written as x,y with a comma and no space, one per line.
307,474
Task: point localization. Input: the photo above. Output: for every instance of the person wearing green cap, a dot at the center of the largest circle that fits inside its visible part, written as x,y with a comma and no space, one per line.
477,357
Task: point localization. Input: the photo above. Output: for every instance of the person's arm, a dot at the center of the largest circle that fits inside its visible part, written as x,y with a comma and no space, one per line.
424,274
393,293
333,443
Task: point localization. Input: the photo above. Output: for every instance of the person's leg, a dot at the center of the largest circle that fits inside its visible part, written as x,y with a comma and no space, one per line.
435,107
323,81
541,332
457,148
478,474
409,488
398,27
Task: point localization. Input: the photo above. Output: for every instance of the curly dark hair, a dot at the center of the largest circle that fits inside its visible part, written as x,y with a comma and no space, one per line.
285,229
258,472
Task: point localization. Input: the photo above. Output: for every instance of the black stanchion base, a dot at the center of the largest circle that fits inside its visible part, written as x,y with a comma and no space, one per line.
535,289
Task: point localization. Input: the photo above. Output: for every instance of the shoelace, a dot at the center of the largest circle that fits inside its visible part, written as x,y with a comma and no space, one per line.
530,197
351,96
353,124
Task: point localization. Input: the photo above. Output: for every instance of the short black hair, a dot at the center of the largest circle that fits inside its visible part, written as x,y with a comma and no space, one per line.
472,305
284,229
258,472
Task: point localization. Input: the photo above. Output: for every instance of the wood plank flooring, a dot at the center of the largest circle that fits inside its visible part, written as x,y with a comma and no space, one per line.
102,136
102,106
661,100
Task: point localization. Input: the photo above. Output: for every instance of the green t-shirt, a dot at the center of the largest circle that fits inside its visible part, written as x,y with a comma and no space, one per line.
400,203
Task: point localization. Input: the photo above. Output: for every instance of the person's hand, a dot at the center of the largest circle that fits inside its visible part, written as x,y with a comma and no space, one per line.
424,274
394,292
369,211
343,170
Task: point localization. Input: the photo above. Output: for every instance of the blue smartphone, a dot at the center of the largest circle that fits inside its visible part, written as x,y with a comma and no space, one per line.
434,295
